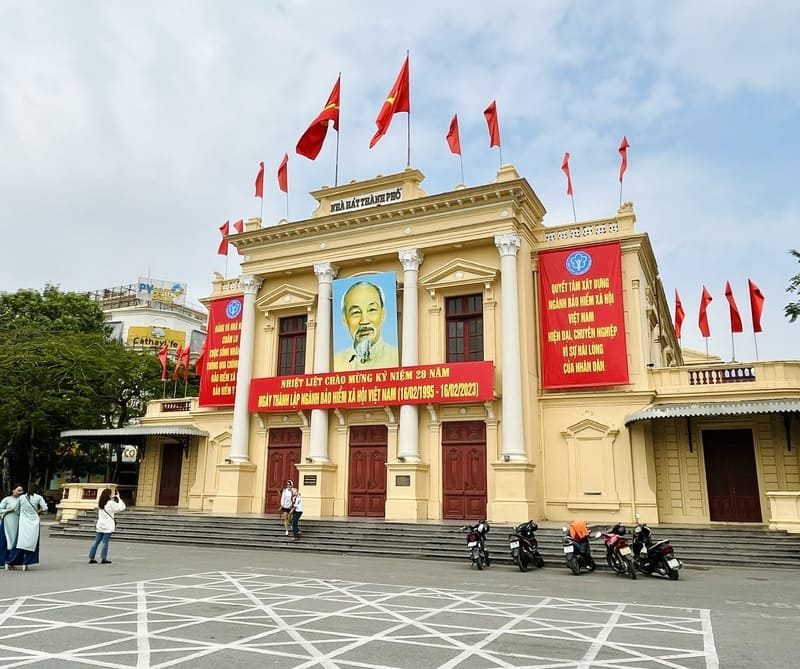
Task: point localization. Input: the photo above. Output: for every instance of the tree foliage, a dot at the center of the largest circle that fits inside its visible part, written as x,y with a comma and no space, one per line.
60,371
792,309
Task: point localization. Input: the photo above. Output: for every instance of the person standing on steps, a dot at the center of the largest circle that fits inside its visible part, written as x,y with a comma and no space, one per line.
297,511
287,504
107,507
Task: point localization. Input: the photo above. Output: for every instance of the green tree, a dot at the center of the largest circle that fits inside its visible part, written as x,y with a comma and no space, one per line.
59,371
792,309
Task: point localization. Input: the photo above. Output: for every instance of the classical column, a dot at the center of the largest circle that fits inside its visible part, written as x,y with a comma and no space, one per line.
326,272
240,436
408,435
513,435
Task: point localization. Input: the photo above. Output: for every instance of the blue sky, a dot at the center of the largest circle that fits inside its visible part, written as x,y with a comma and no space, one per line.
129,132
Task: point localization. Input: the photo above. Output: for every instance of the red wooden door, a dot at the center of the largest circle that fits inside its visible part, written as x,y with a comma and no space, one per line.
367,473
283,453
464,470
731,476
169,486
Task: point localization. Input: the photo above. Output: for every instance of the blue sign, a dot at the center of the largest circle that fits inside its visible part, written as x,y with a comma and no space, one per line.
233,308
578,263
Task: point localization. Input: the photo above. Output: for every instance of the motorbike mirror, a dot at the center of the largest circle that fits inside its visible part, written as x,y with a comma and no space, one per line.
638,517
598,534
564,528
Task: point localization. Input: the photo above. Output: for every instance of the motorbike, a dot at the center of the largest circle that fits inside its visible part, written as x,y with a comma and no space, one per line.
653,557
524,546
476,543
577,551
619,555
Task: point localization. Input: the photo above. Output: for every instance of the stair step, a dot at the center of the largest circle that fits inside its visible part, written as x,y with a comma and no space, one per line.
429,541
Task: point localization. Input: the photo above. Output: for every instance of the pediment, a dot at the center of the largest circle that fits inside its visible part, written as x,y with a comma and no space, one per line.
458,272
285,297
588,428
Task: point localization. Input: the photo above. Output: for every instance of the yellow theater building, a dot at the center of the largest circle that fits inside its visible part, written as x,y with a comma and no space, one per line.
412,356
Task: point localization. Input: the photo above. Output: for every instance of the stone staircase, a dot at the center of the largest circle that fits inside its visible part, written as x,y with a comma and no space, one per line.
698,547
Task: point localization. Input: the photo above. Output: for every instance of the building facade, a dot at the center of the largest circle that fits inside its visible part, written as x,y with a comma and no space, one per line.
537,374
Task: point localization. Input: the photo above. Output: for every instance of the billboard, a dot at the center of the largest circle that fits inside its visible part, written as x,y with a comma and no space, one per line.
155,290
155,336
365,322
582,317
218,377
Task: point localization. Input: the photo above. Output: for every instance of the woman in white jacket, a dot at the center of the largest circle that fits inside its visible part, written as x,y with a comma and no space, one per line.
107,507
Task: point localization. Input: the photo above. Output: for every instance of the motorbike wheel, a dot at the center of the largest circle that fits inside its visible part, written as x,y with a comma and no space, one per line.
538,561
522,562
630,568
572,563
673,574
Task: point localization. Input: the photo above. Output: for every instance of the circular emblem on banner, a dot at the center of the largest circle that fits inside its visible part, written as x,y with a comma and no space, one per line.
578,263
233,308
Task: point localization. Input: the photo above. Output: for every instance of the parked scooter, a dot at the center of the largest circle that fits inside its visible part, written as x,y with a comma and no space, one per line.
476,543
618,554
577,551
525,547
653,558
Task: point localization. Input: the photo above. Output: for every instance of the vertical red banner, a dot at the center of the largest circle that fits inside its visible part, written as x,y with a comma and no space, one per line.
582,317
218,380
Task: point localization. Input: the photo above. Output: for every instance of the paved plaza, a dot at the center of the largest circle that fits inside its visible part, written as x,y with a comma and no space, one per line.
264,620
161,606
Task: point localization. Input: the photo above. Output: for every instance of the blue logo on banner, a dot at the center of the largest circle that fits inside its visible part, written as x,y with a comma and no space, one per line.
578,263
233,308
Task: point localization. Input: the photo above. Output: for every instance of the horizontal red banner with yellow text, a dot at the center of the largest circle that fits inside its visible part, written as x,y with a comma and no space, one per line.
425,384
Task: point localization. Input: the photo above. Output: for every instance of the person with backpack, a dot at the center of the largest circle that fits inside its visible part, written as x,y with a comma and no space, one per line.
107,507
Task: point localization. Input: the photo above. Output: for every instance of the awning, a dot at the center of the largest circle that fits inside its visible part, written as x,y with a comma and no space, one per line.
135,433
694,409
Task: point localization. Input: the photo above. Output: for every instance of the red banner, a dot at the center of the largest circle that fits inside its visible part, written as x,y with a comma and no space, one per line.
434,384
218,380
582,317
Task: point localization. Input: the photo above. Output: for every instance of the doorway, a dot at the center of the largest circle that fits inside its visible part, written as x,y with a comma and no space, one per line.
283,454
367,471
731,476
464,470
169,486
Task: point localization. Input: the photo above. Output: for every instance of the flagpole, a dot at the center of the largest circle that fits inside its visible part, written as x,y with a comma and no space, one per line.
408,116
755,343
226,265
620,193
500,151
706,338
287,202
574,216
260,214
461,160
733,349
164,389
338,132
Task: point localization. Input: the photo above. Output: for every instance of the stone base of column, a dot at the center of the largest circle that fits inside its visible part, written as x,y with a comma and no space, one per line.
317,484
515,493
236,488
407,491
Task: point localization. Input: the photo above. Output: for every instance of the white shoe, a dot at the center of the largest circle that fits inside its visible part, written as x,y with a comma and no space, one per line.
24,567
286,533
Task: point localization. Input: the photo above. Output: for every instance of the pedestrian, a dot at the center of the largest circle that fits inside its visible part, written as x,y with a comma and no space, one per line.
107,507
287,504
9,516
297,511
31,506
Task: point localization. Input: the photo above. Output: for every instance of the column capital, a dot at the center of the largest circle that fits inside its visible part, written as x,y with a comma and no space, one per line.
326,272
250,283
507,243
411,259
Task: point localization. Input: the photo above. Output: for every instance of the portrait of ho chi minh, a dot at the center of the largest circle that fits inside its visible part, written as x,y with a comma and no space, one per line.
364,312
